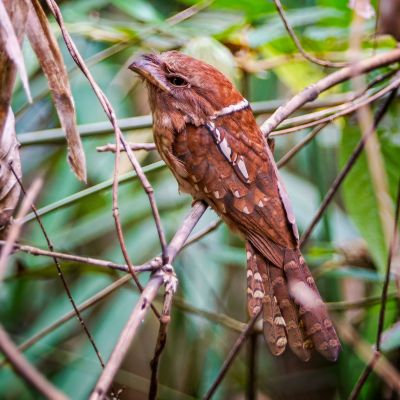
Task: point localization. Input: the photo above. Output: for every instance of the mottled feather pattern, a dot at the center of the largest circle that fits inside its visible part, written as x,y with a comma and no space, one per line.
207,135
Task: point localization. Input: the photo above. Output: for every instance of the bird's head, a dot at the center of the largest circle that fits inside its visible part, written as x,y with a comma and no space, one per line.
180,83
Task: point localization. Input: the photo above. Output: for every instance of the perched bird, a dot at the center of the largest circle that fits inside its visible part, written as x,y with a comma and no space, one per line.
206,133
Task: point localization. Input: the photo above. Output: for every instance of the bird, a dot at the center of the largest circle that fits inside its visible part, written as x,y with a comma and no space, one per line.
206,133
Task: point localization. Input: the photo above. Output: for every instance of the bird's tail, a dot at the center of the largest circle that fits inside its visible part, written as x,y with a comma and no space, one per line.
292,309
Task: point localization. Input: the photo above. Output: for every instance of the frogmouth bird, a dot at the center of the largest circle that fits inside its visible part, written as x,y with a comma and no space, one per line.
207,135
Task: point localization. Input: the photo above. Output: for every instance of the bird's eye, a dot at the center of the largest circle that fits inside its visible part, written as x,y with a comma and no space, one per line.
177,80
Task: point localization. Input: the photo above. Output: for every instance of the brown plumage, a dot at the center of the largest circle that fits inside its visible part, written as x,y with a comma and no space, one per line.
206,133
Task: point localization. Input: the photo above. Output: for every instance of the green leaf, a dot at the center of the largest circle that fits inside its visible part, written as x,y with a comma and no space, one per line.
138,9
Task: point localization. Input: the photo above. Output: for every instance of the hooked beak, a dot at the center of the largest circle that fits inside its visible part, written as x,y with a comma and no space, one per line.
149,70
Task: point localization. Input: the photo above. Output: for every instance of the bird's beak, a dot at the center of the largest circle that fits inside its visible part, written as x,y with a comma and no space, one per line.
149,70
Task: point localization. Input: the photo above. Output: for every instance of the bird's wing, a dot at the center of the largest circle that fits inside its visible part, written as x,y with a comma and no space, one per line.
231,167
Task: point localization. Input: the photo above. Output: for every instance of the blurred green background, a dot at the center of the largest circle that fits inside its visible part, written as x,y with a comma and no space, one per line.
247,41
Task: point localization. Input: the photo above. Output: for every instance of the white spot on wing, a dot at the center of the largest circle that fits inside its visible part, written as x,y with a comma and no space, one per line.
225,149
218,135
246,210
257,277
242,168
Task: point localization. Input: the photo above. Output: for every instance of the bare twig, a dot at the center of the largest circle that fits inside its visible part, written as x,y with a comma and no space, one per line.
231,356
26,370
366,353
312,92
127,335
346,169
56,135
118,134
146,298
296,41
252,367
346,111
61,275
295,149
35,251
161,341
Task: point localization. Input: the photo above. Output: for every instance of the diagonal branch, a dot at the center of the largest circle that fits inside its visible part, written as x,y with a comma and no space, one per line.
313,91
61,274
346,169
29,373
371,365
232,355
118,135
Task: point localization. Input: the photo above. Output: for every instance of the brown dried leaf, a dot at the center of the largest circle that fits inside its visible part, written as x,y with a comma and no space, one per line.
17,11
9,153
46,48
9,42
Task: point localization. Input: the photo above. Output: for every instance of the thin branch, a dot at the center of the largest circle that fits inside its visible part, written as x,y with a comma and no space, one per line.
26,370
251,389
366,353
61,274
354,107
371,365
296,41
35,251
128,333
111,115
346,169
312,92
159,278
364,376
295,149
231,356
95,189
160,345
97,129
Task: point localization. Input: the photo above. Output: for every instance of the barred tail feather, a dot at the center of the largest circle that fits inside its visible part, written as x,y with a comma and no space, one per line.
293,311
312,310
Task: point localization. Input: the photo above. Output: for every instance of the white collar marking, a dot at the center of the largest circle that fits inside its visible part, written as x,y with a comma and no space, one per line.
230,109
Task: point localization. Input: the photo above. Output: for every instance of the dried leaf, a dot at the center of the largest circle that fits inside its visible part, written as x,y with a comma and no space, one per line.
363,8
17,11
10,44
46,48
9,153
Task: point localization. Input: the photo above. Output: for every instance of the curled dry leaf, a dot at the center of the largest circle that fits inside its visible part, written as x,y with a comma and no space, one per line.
46,48
9,153
13,15
9,42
